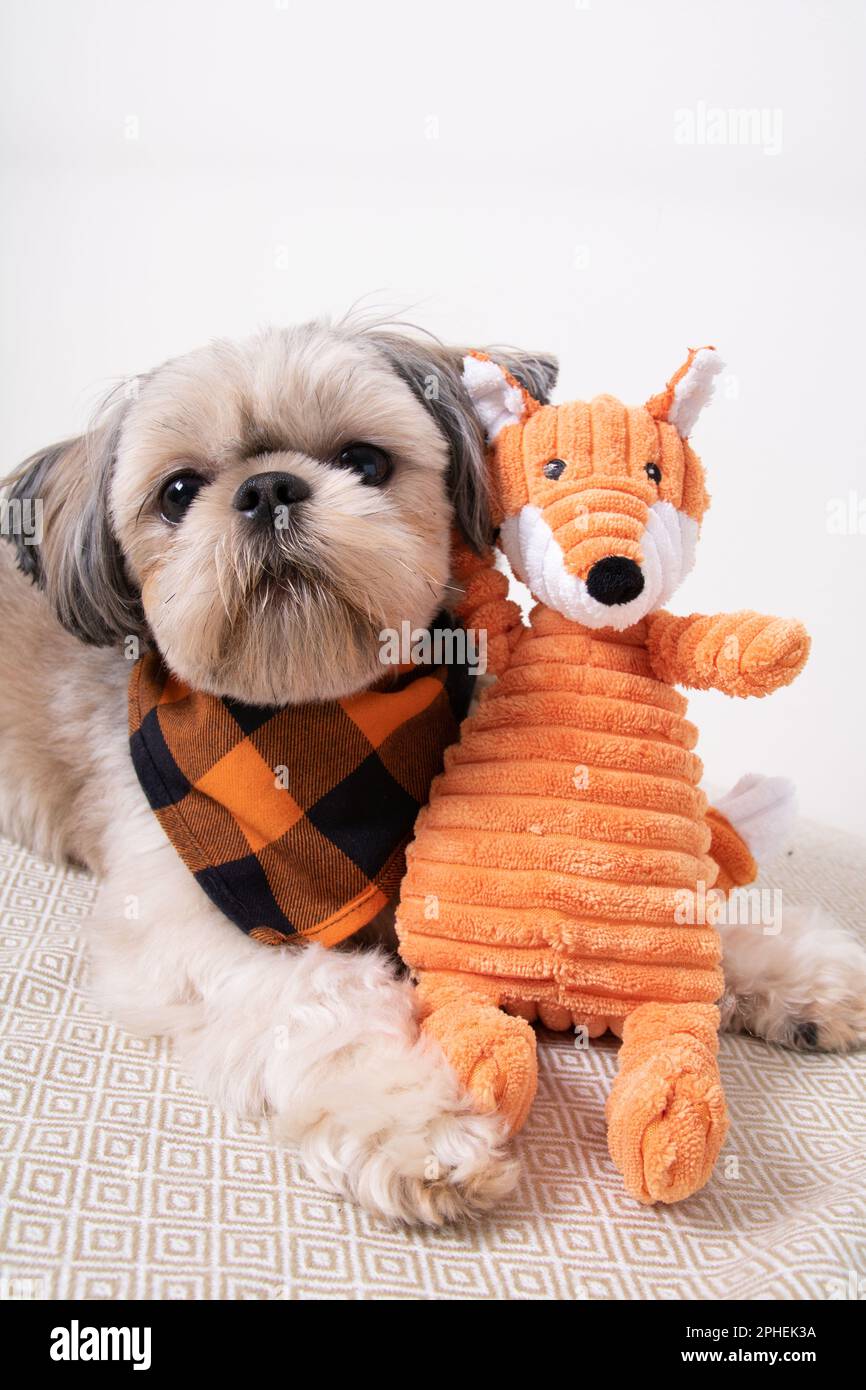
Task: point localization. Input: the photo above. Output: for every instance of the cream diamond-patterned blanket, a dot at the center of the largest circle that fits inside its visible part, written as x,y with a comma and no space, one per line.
118,1181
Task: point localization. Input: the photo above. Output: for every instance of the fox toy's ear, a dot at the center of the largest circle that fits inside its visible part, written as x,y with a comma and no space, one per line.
688,391
497,397
434,373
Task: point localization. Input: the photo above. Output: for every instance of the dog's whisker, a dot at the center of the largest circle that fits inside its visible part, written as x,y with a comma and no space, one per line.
431,583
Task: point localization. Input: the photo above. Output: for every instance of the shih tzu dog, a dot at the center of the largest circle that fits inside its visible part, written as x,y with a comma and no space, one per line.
151,536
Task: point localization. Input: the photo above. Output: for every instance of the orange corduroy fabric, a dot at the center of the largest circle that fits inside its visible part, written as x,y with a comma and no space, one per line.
549,871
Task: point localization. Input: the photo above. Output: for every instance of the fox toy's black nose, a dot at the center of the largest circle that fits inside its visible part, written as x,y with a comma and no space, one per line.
259,496
614,580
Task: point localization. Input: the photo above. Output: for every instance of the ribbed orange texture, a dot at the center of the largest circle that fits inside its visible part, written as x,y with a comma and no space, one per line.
549,866
553,869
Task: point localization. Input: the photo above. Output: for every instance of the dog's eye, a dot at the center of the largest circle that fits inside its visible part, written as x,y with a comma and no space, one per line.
554,469
653,472
176,496
372,465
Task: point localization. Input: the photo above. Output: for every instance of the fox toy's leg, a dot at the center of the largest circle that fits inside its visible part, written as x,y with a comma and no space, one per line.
666,1112
492,1053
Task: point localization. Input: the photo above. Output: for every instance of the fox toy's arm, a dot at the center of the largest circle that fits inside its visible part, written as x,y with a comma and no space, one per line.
486,605
737,653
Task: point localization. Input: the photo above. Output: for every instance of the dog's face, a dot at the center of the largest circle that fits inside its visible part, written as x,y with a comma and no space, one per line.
600,503
261,511
277,507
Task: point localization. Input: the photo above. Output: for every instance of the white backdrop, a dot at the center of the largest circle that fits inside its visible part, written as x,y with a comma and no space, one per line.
613,180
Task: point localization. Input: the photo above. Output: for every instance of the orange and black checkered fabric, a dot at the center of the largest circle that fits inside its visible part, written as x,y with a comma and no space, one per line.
294,820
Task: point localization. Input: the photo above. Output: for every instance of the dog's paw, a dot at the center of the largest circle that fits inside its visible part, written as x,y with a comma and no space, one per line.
803,986
465,1171
394,1134
762,811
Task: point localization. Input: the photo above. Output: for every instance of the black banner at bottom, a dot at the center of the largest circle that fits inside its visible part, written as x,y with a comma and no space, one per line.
83,1339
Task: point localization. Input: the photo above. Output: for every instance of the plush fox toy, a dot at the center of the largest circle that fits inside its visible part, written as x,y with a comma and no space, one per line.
552,871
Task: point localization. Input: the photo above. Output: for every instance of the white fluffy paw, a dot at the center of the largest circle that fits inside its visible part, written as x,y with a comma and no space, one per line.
407,1155
803,986
327,1043
762,810
390,1130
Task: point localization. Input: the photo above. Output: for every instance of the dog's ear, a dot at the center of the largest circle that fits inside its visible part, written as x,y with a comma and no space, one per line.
59,502
435,374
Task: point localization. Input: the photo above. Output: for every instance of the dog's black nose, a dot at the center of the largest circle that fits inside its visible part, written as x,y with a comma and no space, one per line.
259,496
614,580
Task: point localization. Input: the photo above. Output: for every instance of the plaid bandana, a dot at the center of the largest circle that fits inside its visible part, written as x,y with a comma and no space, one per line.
294,820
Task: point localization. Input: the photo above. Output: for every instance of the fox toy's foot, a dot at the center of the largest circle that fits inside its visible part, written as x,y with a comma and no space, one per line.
666,1112
492,1053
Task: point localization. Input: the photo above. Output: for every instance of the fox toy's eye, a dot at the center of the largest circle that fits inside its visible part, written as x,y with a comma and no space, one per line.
372,465
554,469
177,495
653,472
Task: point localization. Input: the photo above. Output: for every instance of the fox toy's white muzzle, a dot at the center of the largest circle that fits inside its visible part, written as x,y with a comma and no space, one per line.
667,546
